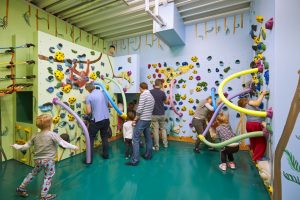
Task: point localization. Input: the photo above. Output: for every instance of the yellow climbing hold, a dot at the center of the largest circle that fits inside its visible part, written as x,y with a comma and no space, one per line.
191,112
259,19
198,89
191,100
59,56
194,58
93,76
55,119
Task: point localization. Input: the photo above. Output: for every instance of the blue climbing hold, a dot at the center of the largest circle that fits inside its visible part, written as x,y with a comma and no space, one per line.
50,89
267,77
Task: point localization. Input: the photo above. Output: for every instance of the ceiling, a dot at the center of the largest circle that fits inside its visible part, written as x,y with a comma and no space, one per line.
116,19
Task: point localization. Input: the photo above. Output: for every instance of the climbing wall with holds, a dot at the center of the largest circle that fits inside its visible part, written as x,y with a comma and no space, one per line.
64,69
126,69
189,80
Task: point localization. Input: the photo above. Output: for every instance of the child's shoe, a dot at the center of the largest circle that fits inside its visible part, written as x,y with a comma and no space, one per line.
155,148
196,150
48,197
231,165
22,192
223,167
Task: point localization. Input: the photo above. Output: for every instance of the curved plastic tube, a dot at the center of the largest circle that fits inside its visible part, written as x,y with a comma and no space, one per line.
83,126
124,114
235,107
213,97
231,140
219,108
171,99
114,105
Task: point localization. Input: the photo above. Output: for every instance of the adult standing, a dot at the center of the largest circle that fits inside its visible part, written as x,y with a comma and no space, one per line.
158,114
98,107
142,123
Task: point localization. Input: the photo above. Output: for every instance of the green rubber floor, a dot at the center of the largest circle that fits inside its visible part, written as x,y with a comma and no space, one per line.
174,173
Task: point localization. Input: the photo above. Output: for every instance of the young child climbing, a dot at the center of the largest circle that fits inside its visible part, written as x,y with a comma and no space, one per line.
257,144
199,120
45,147
127,133
224,131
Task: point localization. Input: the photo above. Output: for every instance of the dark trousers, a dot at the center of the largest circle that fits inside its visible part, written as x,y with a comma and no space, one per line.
101,126
128,147
227,152
200,126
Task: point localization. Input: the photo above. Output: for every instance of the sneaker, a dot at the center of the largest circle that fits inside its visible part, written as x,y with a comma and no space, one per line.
196,150
165,146
155,148
48,197
223,167
127,157
22,192
105,156
231,165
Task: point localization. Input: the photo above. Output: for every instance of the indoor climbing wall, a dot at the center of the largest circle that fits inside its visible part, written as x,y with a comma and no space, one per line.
63,73
126,69
193,79
214,50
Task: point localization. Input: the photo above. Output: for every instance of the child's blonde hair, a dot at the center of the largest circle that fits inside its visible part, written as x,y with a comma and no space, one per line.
222,119
44,121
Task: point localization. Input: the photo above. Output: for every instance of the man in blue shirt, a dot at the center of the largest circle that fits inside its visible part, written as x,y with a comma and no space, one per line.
98,107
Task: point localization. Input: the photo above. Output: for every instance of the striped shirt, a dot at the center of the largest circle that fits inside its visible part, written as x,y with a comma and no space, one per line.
146,105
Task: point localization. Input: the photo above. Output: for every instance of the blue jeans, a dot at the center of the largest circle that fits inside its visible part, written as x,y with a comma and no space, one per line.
141,127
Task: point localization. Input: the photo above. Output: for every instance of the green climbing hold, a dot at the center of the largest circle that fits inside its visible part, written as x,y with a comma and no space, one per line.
227,69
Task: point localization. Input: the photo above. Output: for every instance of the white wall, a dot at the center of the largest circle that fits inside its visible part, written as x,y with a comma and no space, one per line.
287,48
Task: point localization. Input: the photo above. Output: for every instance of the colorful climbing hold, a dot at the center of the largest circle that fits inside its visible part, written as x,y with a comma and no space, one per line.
71,100
194,58
59,56
50,89
227,69
67,88
59,75
50,78
259,19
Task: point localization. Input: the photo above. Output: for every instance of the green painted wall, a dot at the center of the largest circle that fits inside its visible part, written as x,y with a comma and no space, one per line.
23,22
